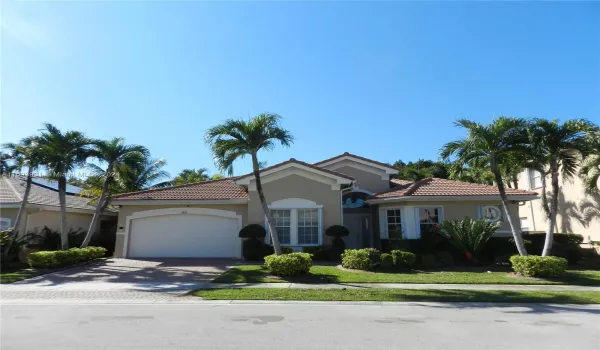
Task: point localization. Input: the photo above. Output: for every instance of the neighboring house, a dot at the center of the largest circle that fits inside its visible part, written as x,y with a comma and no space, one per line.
43,207
578,212
203,219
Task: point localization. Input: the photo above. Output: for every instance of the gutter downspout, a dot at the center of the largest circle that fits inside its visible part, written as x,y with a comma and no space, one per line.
342,201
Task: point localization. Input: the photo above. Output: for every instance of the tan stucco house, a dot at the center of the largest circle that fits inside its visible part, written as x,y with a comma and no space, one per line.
203,219
43,208
578,211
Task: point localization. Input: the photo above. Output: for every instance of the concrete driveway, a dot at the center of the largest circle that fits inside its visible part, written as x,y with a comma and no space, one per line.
129,274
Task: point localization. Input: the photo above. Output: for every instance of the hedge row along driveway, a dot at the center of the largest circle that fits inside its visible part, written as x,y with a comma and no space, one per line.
331,274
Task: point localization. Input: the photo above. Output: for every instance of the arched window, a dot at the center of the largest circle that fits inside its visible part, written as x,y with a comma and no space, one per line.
354,200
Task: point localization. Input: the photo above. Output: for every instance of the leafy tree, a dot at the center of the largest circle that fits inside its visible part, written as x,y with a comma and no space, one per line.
187,176
471,172
24,154
61,153
235,139
217,177
146,174
421,169
557,148
114,153
590,170
491,145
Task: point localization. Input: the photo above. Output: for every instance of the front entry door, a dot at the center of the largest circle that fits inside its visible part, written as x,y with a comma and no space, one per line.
359,226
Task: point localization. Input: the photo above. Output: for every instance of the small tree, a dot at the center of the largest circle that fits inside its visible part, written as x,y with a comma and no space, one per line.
337,245
469,235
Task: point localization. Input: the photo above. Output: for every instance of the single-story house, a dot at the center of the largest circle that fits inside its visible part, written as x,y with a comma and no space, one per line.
43,208
203,219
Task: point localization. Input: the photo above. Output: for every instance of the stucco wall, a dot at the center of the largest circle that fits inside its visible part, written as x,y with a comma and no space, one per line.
37,221
372,180
295,186
578,212
456,210
126,210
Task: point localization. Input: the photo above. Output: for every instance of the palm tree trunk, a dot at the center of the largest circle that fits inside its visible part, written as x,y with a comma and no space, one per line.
515,181
263,202
62,198
513,227
553,210
15,232
97,212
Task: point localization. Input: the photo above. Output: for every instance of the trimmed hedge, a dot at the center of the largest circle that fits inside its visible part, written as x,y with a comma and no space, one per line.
60,258
538,266
292,264
361,259
403,259
387,261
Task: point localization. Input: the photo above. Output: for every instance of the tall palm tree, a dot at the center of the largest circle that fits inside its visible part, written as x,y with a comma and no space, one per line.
8,163
590,170
557,148
25,154
235,139
114,153
62,152
145,174
187,176
491,145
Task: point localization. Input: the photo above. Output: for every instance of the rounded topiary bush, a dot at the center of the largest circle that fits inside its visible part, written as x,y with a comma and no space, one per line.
253,231
337,244
253,250
403,259
292,264
539,266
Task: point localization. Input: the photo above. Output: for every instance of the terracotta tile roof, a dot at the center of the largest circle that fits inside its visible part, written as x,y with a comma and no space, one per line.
346,154
399,182
293,160
444,187
12,189
222,189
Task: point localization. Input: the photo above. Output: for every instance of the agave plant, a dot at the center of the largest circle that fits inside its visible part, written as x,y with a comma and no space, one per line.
469,235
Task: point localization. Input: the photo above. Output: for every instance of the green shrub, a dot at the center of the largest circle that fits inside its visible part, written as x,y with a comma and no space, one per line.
286,250
538,266
253,250
356,259
387,261
338,246
403,259
427,261
253,231
292,264
469,235
361,259
445,258
59,258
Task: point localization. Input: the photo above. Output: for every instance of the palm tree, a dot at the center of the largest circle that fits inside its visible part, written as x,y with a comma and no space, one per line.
62,153
491,145
145,174
187,176
217,177
7,163
114,153
25,153
557,148
590,171
235,139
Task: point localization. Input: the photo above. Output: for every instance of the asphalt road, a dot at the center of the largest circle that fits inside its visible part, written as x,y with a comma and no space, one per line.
299,326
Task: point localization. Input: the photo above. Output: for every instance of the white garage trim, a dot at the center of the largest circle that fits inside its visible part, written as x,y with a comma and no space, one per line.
175,211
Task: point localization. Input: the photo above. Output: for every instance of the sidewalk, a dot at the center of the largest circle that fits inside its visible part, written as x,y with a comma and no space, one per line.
511,287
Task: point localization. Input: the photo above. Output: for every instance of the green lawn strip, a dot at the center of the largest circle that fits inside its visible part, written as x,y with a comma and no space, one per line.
331,274
562,297
10,276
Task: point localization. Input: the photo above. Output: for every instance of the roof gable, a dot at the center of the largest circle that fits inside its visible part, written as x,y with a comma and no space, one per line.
390,170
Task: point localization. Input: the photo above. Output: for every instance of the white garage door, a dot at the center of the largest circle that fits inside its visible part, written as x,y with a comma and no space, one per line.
184,236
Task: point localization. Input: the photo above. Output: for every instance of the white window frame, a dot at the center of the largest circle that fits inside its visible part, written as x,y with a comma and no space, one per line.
499,206
384,232
532,177
293,204
418,217
7,221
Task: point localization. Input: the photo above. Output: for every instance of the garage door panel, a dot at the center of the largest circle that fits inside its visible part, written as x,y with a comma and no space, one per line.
183,236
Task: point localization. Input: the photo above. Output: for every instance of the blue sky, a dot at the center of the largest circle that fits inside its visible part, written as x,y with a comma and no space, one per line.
381,79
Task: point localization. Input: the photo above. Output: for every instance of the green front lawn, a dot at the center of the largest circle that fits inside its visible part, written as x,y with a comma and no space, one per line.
331,274
400,295
14,275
